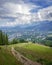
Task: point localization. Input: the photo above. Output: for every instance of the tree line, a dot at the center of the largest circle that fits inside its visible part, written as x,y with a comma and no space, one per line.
3,38
5,41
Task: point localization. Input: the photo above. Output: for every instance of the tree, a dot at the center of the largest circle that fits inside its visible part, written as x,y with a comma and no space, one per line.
7,39
3,38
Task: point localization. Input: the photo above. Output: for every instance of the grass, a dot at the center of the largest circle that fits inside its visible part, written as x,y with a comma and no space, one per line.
36,52
6,57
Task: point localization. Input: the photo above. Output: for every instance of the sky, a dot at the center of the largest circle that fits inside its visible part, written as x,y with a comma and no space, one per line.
21,12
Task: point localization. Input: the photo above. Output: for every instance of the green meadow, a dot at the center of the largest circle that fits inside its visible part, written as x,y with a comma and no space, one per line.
36,52
6,57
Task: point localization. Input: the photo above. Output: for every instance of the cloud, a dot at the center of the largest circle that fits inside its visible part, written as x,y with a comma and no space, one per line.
18,7
45,14
19,13
16,13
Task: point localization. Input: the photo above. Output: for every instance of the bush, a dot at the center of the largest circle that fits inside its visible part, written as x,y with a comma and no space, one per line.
22,41
44,61
0,47
48,43
14,41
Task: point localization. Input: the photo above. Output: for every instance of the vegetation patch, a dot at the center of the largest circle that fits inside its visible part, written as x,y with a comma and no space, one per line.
6,57
36,52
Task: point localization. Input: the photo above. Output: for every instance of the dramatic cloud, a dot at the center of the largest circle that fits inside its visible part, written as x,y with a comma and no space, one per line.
45,14
20,12
16,14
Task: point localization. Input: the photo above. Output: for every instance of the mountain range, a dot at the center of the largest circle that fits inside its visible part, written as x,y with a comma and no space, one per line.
36,26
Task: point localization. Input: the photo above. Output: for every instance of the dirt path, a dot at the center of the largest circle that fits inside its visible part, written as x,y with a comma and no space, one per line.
23,59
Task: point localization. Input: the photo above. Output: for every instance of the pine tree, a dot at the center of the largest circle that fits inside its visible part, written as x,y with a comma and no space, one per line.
3,38
6,39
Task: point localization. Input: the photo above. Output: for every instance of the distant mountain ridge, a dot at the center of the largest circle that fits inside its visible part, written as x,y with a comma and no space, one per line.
42,26
39,26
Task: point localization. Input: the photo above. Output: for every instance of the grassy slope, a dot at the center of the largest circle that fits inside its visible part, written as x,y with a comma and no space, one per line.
6,57
36,52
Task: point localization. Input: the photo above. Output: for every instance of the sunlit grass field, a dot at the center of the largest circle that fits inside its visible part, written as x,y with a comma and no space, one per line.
36,52
6,57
